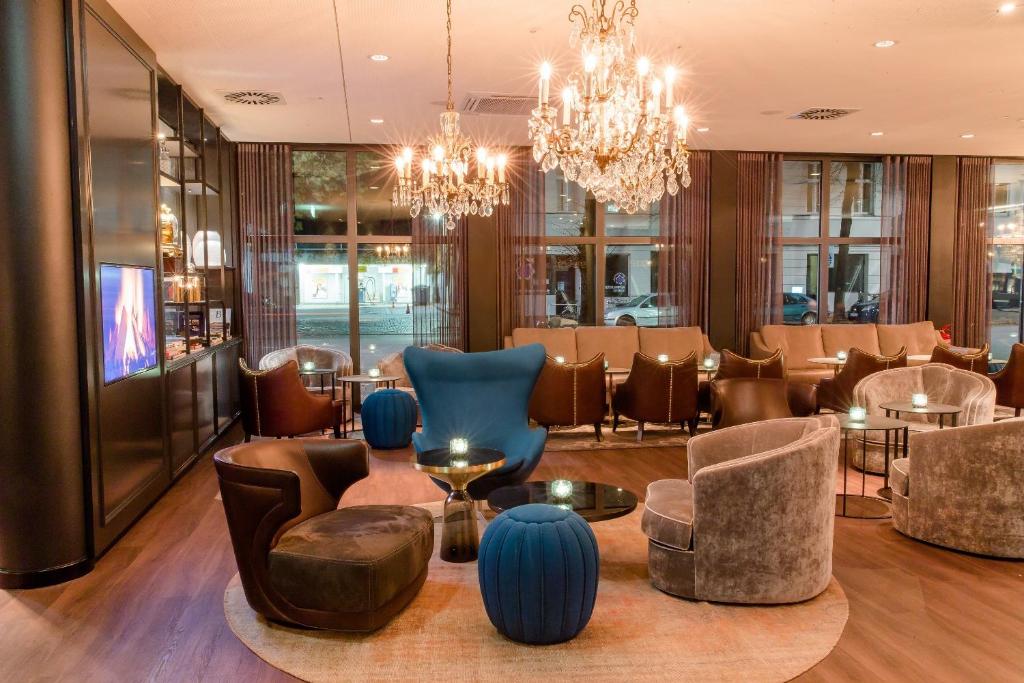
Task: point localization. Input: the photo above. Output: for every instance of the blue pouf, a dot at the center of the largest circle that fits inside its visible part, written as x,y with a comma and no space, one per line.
389,418
538,571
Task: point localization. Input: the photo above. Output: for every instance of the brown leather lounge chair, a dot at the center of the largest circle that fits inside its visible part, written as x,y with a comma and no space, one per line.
303,561
802,396
743,400
570,394
655,391
975,361
836,393
275,403
1010,381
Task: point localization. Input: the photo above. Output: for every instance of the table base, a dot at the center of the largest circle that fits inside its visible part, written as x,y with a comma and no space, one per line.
460,538
861,507
885,492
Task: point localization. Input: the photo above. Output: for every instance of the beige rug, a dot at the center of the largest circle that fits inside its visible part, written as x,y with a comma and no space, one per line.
636,634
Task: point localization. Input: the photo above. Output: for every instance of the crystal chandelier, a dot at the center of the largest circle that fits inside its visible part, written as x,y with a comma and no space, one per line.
441,182
620,135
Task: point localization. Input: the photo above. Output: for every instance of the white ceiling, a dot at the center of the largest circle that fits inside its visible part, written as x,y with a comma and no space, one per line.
957,67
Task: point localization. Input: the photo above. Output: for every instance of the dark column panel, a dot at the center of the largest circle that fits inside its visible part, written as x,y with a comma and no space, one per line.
940,253
42,506
722,266
180,416
483,284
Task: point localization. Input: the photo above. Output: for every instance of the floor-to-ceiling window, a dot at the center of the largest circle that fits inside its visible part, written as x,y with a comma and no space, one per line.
831,240
354,268
601,265
1007,253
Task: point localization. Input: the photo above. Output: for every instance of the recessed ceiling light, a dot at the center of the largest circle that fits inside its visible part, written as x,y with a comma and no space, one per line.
374,187
1007,7
377,121
877,134
885,43
967,136
703,130
379,58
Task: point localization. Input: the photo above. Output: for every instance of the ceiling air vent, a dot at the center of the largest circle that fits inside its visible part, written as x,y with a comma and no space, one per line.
491,104
254,97
823,113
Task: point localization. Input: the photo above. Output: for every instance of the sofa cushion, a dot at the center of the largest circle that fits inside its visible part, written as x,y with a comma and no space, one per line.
668,513
899,476
557,341
676,342
798,343
919,338
835,338
355,559
618,344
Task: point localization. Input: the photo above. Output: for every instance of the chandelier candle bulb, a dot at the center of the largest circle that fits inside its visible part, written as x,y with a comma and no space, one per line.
566,105
458,446
545,83
502,163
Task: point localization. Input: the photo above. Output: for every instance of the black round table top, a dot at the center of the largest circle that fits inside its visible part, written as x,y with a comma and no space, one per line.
930,409
870,423
592,501
443,461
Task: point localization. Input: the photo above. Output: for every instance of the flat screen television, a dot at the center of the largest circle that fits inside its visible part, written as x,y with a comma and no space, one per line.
128,303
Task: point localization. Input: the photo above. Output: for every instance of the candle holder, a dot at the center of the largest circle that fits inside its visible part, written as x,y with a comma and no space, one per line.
919,400
308,365
858,414
662,357
458,446
841,355
709,363
561,488
606,365
559,359
374,372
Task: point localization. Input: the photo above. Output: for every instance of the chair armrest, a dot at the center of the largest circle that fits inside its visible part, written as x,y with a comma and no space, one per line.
713,448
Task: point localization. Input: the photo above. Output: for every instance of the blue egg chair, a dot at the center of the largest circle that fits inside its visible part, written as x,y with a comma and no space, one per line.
482,397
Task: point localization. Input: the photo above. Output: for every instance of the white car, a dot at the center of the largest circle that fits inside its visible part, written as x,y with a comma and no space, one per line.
642,311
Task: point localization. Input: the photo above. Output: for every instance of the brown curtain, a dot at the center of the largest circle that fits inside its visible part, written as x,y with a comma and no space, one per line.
758,243
683,249
268,248
906,215
439,279
521,258
972,274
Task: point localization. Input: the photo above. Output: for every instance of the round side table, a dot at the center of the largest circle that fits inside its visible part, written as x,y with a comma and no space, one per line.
898,408
349,381
863,506
322,372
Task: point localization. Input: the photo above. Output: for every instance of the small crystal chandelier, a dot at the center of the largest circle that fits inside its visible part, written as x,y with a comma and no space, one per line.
442,183
621,134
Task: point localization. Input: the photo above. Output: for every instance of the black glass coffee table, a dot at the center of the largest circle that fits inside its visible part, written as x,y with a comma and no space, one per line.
592,501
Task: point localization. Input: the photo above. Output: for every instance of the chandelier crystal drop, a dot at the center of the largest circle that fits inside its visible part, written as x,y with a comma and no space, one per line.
621,133
441,183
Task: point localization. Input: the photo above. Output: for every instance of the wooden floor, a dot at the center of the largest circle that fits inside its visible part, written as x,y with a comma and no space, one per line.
152,608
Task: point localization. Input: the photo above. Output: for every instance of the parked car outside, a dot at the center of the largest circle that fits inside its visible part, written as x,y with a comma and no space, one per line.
799,309
864,311
642,311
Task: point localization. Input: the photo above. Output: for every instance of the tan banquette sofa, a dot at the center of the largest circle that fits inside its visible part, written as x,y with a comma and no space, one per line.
799,343
618,344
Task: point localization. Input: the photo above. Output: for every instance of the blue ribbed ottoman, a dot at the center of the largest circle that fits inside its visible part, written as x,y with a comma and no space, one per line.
538,572
389,418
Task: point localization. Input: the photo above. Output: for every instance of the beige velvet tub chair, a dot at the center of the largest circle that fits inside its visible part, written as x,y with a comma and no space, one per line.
963,488
973,392
753,522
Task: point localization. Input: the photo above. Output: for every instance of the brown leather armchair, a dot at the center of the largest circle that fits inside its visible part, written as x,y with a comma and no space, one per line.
976,361
300,558
658,392
741,400
802,396
836,393
275,403
570,394
1010,381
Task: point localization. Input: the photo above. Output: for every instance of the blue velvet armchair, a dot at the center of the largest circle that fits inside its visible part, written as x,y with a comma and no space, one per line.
482,397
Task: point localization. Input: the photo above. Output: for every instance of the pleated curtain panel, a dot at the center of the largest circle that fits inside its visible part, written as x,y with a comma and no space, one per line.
439,283
685,222
268,248
906,214
972,266
758,243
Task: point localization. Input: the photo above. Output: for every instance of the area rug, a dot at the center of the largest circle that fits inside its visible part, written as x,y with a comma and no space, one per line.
636,634
583,439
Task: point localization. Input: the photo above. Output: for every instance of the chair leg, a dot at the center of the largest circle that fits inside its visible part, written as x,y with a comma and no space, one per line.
337,431
597,431
639,431
1016,412
693,425
248,437
615,422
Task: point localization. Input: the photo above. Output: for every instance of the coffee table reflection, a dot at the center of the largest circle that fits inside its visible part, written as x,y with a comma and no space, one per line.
592,501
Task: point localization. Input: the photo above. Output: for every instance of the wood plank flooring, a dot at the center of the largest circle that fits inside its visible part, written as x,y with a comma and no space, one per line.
152,608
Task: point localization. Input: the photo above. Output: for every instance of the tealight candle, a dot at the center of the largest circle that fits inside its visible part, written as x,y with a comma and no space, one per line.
458,446
561,488
709,363
858,414
308,365
662,357
919,400
374,372
841,355
559,359
606,365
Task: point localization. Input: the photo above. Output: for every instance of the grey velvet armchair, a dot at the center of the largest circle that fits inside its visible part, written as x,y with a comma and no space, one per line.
963,488
753,522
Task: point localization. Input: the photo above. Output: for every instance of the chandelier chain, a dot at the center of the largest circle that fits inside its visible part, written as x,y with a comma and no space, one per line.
451,101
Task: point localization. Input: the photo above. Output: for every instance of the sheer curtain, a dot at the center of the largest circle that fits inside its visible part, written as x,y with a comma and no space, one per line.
906,214
972,272
439,279
758,243
683,249
521,256
268,248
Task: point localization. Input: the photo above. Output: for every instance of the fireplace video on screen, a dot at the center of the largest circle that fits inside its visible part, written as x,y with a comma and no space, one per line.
129,320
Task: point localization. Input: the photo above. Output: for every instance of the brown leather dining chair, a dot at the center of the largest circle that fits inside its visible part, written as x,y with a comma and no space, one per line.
660,392
276,403
742,400
975,361
836,393
1010,381
570,394
301,559
802,396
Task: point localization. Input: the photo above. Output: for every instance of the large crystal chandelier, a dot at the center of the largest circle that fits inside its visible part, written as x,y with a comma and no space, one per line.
620,135
441,183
